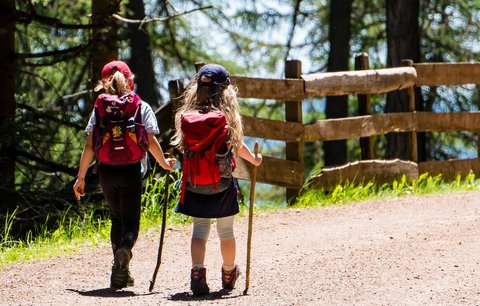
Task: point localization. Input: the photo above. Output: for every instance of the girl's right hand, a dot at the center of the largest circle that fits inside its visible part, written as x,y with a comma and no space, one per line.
170,163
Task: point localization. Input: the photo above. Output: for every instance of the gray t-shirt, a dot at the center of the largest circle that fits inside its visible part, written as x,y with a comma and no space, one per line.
148,119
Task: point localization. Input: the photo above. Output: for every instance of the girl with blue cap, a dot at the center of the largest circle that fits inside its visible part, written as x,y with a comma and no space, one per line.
211,90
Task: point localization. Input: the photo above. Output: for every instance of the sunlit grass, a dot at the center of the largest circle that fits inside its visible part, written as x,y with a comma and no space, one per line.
76,234
349,192
69,235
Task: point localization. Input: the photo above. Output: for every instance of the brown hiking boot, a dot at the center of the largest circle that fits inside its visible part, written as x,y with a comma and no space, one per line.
229,278
130,280
198,281
120,277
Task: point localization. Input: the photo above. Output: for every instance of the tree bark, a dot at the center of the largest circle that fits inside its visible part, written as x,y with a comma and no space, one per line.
7,104
403,43
141,61
104,40
338,58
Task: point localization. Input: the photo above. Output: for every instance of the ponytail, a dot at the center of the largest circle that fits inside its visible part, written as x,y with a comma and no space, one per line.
117,84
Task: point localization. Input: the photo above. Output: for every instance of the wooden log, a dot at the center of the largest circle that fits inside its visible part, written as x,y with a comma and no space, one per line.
436,74
359,82
450,169
272,129
360,126
275,89
447,122
361,172
364,126
273,171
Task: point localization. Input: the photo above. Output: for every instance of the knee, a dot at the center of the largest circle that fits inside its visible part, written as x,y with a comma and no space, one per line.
201,229
225,230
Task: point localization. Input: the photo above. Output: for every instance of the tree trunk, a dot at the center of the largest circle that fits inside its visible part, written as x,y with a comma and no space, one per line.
141,61
104,39
402,43
338,58
7,105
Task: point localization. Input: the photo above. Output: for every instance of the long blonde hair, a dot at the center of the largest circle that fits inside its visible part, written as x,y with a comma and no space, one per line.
116,84
200,98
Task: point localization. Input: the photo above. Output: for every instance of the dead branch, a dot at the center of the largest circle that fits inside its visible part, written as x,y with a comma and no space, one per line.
47,165
44,115
158,19
28,17
75,50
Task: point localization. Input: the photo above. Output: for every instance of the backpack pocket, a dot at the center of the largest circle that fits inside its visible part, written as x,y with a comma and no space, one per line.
225,164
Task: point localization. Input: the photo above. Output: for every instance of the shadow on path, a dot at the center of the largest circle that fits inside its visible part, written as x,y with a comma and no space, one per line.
216,295
106,292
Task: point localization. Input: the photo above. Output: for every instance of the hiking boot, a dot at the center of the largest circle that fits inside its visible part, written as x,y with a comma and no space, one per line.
230,277
120,274
198,281
130,280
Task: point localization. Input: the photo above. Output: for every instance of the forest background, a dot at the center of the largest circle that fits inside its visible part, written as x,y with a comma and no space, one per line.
52,53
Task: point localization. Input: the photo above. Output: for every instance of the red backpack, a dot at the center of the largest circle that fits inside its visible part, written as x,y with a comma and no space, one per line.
119,136
206,159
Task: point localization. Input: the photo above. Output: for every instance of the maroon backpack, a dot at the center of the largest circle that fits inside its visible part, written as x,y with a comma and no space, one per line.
119,136
206,159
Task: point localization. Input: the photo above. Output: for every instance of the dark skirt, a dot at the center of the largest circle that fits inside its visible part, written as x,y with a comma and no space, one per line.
217,205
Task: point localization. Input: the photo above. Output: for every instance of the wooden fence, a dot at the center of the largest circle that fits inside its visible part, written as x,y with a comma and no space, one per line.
290,172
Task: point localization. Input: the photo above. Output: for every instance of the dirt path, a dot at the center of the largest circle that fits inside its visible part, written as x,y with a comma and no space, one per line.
407,251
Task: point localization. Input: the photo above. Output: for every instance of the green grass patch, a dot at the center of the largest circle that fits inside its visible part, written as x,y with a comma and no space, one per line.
75,234
349,192
69,235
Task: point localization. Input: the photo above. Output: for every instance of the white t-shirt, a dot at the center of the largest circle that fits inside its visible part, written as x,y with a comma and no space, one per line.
148,119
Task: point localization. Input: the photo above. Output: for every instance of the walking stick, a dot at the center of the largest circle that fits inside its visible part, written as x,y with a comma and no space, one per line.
164,221
250,219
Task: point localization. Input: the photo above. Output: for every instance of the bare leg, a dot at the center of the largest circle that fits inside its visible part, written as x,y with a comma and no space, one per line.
228,249
198,249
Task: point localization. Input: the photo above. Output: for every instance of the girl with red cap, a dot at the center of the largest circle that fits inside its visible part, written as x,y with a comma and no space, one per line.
121,184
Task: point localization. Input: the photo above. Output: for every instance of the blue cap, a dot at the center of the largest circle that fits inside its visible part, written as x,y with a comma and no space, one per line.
217,73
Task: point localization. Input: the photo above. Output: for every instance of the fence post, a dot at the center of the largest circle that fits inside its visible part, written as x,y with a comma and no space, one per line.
412,136
364,107
293,113
175,89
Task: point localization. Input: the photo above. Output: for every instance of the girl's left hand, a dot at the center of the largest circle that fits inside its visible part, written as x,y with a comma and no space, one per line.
258,159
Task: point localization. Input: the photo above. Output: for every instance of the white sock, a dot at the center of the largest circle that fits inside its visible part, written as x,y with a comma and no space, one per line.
198,266
228,268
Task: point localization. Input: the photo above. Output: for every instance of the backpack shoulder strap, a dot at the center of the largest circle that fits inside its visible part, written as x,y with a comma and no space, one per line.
137,117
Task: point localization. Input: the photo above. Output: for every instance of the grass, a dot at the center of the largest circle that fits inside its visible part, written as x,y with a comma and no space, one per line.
425,184
89,231
69,235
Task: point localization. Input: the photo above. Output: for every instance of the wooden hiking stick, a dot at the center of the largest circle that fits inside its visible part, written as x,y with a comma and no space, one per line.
253,179
164,222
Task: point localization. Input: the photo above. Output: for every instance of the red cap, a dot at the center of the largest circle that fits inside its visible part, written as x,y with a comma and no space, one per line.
110,68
